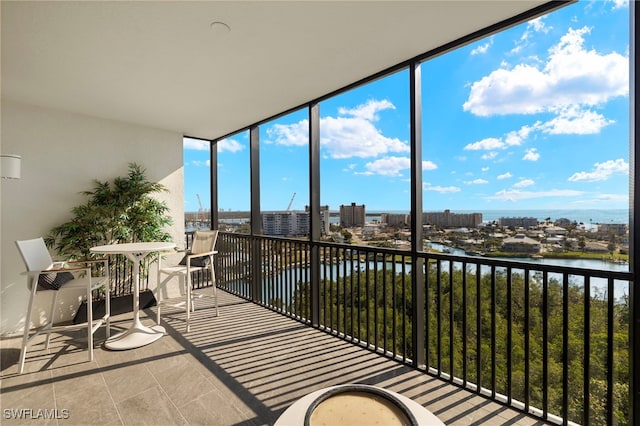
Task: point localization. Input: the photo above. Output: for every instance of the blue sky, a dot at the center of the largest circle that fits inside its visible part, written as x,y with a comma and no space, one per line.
535,117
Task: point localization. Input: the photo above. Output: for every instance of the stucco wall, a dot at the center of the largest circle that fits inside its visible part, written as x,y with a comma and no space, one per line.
62,153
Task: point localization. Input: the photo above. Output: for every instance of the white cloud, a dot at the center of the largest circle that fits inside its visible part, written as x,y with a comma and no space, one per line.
489,155
429,165
296,134
506,175
345,137
571,76
351,167
230,145
485,144
523,183
575,121
368,111
351,134
485,169
195,144
482,49
517,195
516,137
533,26
618,4
512,138
538,25
531,154
441,189
476,182
206,163
390,166
602,171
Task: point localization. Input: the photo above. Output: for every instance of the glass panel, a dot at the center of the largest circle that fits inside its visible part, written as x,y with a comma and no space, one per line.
197,184
365,163
234,183
284,175
530,129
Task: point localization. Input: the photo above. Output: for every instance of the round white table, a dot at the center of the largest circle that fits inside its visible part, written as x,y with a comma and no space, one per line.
137,335
295,414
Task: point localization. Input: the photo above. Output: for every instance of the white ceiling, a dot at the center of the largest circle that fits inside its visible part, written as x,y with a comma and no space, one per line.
162,64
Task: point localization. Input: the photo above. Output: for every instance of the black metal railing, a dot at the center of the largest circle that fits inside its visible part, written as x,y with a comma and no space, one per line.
551,341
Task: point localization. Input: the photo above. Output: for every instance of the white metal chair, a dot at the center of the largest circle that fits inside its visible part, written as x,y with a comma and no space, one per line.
45,274
199,257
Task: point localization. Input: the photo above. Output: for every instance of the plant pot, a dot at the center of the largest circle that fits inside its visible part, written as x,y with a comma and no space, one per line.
119,305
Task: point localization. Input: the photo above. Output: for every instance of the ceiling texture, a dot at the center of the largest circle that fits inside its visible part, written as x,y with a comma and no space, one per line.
208,68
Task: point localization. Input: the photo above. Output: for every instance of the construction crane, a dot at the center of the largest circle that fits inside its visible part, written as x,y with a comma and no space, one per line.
200,210
291,202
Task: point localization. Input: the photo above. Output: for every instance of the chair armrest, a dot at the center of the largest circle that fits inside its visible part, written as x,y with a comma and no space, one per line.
55,270
205,253
96,260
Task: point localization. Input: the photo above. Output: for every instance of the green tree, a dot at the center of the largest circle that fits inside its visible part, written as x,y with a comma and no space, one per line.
116,212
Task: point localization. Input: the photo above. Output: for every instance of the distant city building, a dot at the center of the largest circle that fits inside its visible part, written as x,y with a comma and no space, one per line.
606,229
518,222
565,223
289,223
555,230
370,230
395,219
447,219
352,215
325,218
520,244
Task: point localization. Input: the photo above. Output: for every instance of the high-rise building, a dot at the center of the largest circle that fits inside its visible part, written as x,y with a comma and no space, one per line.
447,219
612,228
288,223
325,218
352,215
394,219
518,222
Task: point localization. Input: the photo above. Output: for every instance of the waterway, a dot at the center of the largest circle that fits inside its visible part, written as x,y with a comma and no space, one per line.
572,263
598,286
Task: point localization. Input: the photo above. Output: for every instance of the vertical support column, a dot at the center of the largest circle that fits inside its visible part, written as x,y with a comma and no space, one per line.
314,193
417,275
256,223
634,219
213,185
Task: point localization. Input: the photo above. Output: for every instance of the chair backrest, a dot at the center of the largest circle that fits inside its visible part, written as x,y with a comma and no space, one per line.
34,254
204,241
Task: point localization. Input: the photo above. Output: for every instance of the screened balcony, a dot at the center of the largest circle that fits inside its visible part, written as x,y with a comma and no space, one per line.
473,339
244,367
490,354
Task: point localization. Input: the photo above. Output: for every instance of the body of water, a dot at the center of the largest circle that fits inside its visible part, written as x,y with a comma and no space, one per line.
585,216
598,286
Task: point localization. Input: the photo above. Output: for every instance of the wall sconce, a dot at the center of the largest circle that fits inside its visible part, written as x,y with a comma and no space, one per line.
10,166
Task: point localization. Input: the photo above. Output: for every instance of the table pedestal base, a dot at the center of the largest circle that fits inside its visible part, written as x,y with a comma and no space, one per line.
135,337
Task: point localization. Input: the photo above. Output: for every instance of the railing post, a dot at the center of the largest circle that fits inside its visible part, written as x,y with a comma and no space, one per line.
214,216
256,225
417,275
634,219
316,219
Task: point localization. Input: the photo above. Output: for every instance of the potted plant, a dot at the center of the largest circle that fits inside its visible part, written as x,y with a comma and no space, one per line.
120,211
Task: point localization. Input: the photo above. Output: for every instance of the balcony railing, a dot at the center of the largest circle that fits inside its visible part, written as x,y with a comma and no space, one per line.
550,341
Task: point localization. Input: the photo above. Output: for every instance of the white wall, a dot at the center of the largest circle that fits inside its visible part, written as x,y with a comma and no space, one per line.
62,153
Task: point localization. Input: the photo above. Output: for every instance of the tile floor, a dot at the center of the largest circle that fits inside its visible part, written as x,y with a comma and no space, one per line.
244,367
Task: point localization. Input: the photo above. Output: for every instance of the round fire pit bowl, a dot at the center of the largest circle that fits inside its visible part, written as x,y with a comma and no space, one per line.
358,404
